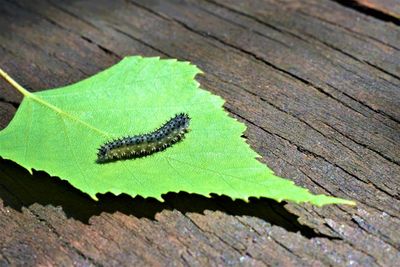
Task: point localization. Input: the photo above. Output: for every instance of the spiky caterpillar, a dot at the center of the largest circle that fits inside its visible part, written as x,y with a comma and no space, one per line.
145,144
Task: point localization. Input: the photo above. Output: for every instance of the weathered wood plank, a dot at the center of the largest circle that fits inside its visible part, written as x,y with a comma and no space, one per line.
319,109
337,37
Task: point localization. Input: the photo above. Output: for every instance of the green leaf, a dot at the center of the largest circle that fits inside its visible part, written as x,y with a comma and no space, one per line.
60,130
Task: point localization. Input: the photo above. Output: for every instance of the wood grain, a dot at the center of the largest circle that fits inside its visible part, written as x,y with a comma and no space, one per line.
317,83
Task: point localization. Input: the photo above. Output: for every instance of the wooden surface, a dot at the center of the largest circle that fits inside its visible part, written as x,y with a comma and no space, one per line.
317,82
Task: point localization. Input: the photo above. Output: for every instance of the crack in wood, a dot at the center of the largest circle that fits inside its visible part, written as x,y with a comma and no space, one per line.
13,103
361,223
243,27
369,11
102,48
61,239
347,29
362,61
130,36
262,22
52,229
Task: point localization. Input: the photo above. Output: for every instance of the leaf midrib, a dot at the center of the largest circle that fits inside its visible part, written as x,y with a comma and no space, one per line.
63,113
28,95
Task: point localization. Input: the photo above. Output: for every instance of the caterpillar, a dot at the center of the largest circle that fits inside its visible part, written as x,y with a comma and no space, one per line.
141,145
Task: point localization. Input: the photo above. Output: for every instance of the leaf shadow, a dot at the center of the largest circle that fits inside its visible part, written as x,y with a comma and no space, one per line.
18,189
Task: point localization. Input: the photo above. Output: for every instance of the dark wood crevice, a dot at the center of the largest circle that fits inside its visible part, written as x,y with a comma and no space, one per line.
369,11
14,104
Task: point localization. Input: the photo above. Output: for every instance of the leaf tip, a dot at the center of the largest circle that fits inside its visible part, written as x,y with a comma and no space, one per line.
94,197
160,198
322,200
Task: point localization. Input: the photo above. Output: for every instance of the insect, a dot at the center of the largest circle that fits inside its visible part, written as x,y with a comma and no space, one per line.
141,145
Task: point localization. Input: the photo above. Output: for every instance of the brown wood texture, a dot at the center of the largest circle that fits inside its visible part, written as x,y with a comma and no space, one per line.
317,82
